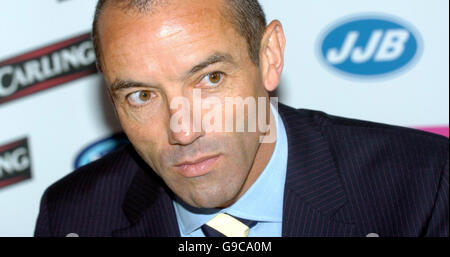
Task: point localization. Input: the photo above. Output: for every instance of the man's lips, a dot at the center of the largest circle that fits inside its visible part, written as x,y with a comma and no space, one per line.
197,167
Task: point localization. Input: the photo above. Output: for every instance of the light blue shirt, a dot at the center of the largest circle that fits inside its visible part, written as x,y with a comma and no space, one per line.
263,201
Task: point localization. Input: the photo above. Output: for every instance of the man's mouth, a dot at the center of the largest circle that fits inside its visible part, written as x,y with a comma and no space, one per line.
198,166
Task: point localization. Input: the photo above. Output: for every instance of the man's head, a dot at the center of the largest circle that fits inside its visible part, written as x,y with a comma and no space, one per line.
153,52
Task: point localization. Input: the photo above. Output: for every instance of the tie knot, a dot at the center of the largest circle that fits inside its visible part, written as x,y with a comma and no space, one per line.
225,225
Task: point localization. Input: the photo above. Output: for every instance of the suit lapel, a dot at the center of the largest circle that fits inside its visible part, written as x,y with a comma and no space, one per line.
148,207
313,190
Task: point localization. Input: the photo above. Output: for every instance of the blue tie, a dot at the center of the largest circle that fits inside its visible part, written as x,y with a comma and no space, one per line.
211,232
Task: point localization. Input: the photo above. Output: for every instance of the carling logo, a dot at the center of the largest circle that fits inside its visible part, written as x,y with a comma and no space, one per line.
370,46
46,67
99,149
15,163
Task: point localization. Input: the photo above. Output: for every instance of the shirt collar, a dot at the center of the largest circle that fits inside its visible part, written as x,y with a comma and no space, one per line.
263,201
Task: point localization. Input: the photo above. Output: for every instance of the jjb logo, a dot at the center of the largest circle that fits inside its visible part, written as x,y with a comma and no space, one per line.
370,46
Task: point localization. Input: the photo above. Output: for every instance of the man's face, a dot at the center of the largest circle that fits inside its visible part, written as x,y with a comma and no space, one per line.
149,59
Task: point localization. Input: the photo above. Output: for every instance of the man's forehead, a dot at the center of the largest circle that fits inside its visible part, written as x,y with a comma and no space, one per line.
190,31
175,20
172,10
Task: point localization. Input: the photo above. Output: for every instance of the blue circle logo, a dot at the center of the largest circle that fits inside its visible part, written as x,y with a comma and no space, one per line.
99,149
370,46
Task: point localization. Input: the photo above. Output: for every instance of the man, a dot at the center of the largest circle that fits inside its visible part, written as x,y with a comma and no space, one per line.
322,176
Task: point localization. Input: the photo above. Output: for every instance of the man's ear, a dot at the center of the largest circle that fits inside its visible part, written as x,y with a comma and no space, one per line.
271,55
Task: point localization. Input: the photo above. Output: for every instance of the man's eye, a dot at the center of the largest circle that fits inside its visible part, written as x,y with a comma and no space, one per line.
140,97
213,79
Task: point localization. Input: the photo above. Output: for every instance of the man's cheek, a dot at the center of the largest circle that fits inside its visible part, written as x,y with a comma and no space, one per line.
131,115
148,139
141,124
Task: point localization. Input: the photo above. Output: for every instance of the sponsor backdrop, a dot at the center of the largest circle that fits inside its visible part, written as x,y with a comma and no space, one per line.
384,61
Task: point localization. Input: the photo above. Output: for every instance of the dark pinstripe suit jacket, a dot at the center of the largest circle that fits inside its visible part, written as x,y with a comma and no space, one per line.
344,178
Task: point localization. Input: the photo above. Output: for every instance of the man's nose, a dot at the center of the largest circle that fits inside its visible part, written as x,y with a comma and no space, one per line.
183,129
183,137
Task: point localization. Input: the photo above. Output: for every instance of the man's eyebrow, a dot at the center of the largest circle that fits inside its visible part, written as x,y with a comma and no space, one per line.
122,84
212,59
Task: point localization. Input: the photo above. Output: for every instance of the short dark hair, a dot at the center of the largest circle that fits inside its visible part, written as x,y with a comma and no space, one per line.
247,16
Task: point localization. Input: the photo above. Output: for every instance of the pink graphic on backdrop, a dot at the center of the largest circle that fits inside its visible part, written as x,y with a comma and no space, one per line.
440,130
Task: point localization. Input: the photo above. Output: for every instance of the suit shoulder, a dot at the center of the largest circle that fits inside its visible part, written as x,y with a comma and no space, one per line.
114,171
363,127
415,148
361,137
89,200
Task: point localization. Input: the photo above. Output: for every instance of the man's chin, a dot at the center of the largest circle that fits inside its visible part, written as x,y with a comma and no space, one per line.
208,201
208,193
202,204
